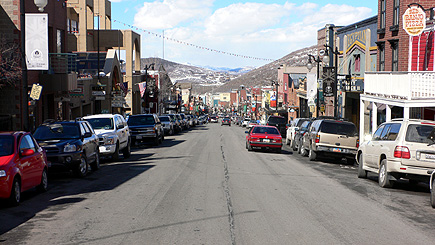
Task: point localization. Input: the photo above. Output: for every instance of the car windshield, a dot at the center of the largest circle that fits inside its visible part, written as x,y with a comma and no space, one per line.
420,133
57,131
277,120
265,130
140,120
164,119
340,128
6,145
101,123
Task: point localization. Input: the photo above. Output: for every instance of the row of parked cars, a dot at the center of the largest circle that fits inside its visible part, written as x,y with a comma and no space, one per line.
400,148
78,146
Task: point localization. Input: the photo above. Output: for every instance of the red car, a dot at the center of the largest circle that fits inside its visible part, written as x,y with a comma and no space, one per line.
23,165
265,137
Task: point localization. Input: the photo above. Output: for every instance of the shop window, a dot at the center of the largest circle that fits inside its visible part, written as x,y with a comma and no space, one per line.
395,56
396,13
382,20
357,63
382,57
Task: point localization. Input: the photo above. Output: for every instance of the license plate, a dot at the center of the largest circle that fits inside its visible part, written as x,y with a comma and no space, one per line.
138,137
336,150
266,140
429,156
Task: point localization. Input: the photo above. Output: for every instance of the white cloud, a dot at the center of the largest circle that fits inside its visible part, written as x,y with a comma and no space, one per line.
238,19
170,13
251,29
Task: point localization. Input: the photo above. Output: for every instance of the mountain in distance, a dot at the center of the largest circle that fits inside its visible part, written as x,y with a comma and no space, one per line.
264,74
209,79
198,76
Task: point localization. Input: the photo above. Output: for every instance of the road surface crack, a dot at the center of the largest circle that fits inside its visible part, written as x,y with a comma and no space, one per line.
228,197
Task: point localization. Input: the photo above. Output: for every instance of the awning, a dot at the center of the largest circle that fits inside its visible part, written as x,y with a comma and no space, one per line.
381,107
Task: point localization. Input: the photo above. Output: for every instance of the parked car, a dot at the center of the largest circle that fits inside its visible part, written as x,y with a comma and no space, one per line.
70,144
292,129
252,123
399,149
168,125
213,119
23,165
146,128
263,137
279,122
226,121
245,121
113,133
182,121
332,138
176,122
190,121
185,120
299,137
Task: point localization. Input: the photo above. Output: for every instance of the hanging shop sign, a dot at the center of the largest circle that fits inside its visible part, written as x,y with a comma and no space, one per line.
328,81
414,20
35,94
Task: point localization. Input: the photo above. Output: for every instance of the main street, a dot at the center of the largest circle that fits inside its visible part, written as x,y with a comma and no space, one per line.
204,187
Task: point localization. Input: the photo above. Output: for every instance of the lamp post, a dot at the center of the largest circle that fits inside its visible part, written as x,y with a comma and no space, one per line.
309,67
25,100
275,83
256,107
335,65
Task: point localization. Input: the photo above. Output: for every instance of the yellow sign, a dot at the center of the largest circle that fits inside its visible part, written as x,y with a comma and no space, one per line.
322,108
35,94
414,21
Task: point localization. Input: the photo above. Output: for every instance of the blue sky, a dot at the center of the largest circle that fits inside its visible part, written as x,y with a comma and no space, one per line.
254,32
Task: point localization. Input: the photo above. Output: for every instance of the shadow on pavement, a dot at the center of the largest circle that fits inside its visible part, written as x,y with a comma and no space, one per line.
63,187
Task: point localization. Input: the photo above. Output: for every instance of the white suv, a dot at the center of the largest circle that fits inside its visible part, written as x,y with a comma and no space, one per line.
113,134
399,149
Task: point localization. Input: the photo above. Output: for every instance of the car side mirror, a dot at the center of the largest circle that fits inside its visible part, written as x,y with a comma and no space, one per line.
87,134
27,152
121,126
246,132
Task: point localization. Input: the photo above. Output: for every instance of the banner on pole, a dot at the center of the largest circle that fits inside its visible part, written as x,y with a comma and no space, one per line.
36,33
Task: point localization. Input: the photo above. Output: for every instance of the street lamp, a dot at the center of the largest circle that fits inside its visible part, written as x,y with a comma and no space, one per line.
276,84
336,53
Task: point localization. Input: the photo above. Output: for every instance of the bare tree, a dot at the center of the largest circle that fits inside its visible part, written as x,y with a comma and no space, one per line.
10,63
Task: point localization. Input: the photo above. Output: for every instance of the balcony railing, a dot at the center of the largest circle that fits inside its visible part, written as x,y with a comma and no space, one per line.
62,63
400,85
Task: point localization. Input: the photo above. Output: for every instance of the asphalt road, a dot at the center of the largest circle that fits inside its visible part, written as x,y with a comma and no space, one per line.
204,187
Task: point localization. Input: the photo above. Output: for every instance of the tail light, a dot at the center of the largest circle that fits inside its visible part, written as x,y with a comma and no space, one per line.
357,143
402,152
317,139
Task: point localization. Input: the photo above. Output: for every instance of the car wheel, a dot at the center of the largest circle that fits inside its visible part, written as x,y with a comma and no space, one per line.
15,197
287,141
293,145
312,155
361,172
115,155
304,151
43,186
249,147
384,176
156,140
432,194
96,164
127,150
82,168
